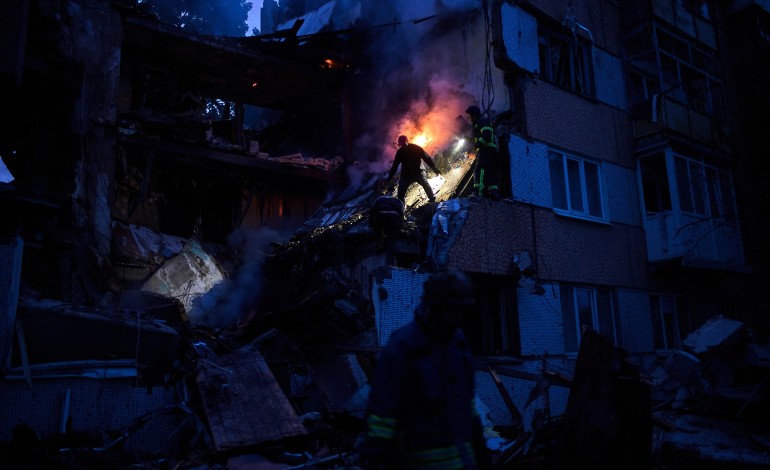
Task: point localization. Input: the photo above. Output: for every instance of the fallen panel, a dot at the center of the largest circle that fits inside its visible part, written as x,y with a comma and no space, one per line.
244,404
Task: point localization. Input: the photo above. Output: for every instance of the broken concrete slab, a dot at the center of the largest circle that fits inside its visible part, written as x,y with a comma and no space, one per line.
191,276
711,334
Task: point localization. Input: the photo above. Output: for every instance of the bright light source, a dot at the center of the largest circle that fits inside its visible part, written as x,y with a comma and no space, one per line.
422,140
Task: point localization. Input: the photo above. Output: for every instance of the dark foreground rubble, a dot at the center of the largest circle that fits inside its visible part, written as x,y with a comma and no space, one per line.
291,394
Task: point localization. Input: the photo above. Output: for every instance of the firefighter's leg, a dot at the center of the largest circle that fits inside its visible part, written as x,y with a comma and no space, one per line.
402,187
428,190
478,186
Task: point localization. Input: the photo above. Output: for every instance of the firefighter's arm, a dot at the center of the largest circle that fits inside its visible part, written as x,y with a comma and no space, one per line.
427,158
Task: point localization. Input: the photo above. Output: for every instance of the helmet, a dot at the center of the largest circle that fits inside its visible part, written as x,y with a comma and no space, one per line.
402,140
474,111
448,286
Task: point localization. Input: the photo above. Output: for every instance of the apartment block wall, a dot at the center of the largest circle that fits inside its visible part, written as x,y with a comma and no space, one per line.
580,251
492,235
530,181
577,124
540,322
529,171
395,294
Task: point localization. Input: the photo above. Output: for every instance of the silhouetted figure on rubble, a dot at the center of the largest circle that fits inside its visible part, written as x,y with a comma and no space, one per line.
410,157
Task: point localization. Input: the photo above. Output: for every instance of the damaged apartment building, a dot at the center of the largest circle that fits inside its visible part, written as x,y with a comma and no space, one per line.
188,272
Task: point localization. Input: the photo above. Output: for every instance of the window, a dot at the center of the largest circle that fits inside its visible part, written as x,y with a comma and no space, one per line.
657,196
576,186
690,75
587,308
496,329
641,89
565,60
703,189
670,321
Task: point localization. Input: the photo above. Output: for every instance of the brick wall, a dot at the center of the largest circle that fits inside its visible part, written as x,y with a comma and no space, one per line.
492,234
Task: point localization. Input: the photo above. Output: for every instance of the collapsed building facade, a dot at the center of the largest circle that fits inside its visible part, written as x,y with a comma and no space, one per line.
159,211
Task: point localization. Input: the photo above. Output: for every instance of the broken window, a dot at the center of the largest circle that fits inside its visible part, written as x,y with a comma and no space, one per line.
670,320
703,189
496,329
655,187
576,185
690,75
587,308
641,89
565,61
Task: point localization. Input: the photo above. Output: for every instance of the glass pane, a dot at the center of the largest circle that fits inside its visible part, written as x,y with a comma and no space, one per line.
581,76
668,313
728,203
568,319
560,61
593,192
657,196
712,188
683,182
696,176
604,313
558,182
584,309
717,101
575,186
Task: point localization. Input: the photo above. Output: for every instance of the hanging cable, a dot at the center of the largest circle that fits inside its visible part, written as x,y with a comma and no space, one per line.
487,87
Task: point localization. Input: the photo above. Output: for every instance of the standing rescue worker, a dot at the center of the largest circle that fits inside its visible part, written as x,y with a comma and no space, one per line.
409,157
421,408
486,174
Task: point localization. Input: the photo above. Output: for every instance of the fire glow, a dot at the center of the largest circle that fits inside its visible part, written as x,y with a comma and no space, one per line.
433,130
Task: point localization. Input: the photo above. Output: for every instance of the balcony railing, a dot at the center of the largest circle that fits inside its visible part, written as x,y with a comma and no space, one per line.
696,241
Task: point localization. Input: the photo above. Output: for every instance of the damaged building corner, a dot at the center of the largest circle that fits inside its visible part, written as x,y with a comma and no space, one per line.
189,277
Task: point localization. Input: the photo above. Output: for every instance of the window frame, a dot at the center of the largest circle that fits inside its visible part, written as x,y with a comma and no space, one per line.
602,302
576,72
495,329
694,74
703,190
671,321
571,176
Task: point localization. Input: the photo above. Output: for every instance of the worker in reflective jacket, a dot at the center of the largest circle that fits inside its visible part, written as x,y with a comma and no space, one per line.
421,407
486,173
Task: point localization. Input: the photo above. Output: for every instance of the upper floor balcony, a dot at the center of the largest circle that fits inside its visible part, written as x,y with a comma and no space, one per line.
690,211
694,18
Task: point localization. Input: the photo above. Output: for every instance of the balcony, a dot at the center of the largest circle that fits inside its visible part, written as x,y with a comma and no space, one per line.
663,114
691,216
694,19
